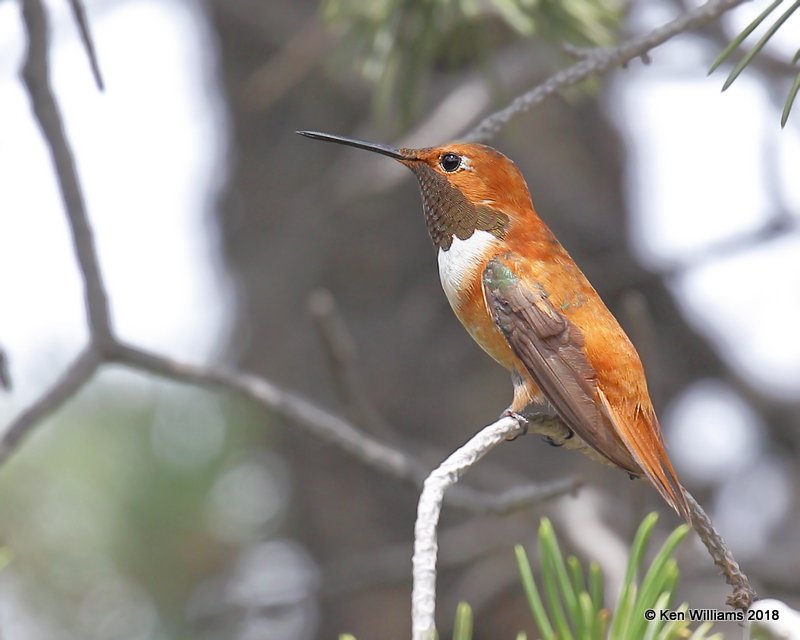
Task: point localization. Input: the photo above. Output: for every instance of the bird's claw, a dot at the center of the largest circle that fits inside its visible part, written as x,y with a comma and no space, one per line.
522,420
559,443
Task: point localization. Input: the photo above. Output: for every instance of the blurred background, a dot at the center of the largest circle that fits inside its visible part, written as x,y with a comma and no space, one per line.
146,509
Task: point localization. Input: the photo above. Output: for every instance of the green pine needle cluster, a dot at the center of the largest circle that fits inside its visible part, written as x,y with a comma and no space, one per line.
756,49
567,601
397,43
573,606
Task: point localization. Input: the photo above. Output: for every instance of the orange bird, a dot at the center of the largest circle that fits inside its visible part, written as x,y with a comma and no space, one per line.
523,299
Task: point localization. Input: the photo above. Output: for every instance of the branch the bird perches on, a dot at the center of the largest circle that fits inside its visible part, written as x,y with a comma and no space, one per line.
423,599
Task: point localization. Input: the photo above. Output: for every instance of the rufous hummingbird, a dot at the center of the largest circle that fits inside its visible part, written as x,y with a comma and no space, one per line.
523,299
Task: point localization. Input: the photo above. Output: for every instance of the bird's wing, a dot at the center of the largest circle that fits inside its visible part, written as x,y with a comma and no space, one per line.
551,348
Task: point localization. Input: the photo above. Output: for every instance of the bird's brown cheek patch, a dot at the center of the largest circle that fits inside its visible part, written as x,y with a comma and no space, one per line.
449,213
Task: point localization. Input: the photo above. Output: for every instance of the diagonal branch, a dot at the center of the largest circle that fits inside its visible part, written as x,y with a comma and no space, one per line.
331,428
743,594
71,381
36,75
79,13
340,349
599,61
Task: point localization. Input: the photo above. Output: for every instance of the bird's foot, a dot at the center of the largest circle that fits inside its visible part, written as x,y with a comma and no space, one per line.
521,419
560,442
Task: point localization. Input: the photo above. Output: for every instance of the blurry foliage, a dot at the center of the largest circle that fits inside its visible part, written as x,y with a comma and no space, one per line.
115,536
573,604
397,43
757,47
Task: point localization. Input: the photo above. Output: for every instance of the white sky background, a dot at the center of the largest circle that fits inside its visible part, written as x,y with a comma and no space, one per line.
699,175
149,152
150,149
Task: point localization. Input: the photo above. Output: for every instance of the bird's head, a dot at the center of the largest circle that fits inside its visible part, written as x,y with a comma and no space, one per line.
465,187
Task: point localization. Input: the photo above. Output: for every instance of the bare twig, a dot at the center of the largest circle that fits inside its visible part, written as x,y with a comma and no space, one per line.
301,53
460,545
286,404
423,594
341,351
70,382
743,594
79,13
781,223
36,75
598,62
340,348
5,375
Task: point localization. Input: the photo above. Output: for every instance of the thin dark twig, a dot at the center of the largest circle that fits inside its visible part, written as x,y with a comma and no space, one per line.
340,349
459,545
597,62
36,76
5,374
743,594
300,55
70,382
79,12
779,224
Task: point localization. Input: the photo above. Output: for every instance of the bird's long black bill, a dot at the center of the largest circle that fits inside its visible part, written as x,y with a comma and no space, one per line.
384,149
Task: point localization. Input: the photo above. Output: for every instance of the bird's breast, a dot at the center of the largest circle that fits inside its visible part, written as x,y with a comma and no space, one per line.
461,266
461,270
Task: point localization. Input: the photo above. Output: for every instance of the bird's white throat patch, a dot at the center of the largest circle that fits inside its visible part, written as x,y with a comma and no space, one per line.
458,265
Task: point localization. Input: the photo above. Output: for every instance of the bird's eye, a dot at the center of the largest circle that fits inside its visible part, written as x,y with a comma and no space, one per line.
450,162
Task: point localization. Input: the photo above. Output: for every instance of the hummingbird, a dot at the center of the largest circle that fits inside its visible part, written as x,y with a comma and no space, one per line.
525,301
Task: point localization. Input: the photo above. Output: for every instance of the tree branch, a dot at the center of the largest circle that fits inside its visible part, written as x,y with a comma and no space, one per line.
340,349
76,375
5,374
36,76
599,61
79,13
743,594
423,594
331,428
